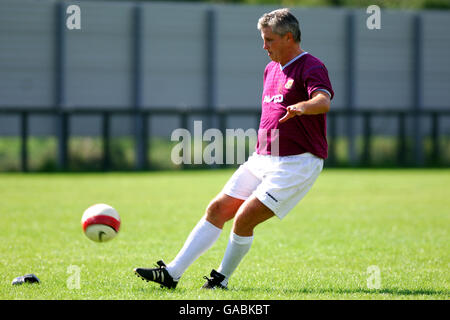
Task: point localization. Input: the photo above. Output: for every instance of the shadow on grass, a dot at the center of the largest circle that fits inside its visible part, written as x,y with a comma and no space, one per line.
155,289
164,293
390,291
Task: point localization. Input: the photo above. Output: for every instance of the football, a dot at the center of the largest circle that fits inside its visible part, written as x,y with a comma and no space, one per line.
100,222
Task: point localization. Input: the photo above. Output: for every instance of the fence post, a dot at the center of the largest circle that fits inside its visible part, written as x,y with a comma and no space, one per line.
223,117
417,90
184,124
367,115
350,54
210,76
59,81
331,132
401,138
435,138
24,140
106,141
138,117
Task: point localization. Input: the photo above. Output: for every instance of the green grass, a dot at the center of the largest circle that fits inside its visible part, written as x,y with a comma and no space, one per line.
397,220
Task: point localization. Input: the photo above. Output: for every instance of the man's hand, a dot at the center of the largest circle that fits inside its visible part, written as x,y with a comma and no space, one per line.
319,103
292,111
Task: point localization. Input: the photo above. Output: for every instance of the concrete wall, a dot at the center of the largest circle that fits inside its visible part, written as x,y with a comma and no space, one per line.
98,60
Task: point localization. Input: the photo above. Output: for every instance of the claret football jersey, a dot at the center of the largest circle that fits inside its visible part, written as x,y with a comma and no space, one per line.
285,86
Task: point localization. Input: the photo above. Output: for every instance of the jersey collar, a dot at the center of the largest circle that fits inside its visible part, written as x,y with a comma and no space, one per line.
293,60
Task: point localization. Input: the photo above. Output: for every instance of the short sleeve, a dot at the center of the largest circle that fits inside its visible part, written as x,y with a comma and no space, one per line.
316,78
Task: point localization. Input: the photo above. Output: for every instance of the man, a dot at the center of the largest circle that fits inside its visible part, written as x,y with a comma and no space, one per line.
289,155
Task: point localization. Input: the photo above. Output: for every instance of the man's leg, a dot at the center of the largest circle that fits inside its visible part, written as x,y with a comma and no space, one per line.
221,209
206,232
284,185
250,214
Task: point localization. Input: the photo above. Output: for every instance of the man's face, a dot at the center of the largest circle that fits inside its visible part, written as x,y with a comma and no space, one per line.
274,44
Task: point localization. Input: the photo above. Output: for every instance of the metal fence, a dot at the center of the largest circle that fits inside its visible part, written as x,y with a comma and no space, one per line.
142,142
128,56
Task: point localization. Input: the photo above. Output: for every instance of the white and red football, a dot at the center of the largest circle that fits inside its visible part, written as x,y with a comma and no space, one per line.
100,222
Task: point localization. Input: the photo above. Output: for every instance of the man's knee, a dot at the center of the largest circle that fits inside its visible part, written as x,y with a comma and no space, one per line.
221,209
252,213
213,209
242,225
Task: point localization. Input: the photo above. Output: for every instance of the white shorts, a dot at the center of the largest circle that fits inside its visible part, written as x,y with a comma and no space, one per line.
278,182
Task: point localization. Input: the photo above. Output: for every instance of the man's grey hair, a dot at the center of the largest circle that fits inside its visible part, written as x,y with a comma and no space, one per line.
281,21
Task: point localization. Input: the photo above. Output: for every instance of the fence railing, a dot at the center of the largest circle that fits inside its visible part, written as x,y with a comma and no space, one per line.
141,130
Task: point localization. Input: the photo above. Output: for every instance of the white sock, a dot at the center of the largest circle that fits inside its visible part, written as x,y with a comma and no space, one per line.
201,238
236,250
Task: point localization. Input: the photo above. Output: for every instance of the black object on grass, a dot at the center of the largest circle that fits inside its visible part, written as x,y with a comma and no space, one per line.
28,278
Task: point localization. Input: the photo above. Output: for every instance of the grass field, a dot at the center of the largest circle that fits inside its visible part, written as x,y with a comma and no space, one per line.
396,220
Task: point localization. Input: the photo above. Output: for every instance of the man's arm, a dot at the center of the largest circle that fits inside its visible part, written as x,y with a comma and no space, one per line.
319,103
